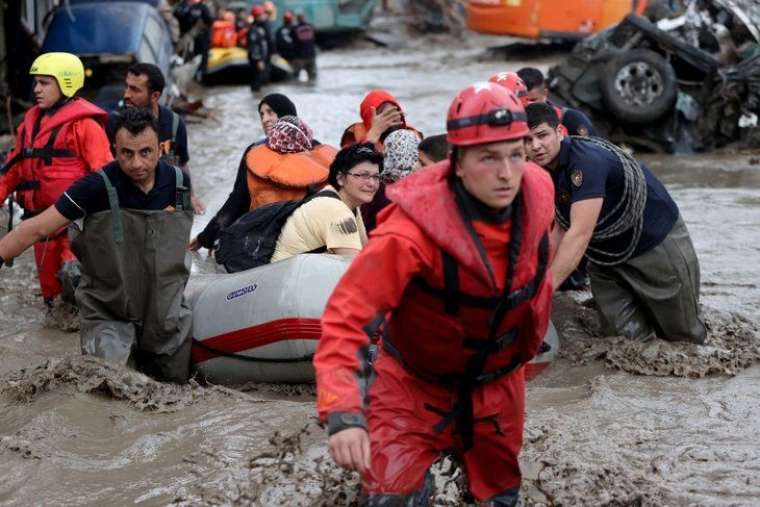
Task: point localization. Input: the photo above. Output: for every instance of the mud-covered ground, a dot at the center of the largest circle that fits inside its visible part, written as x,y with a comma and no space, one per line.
611,423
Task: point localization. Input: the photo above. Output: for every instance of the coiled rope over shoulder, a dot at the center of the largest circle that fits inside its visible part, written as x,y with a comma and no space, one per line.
630,208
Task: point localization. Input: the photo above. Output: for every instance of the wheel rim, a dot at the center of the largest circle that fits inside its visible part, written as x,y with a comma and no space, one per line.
639,84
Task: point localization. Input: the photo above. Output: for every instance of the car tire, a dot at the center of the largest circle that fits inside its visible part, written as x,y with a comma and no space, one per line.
639,86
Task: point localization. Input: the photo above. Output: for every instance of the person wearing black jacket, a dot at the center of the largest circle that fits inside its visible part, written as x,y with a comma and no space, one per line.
259,50
192,13
286,45
271,108
304,35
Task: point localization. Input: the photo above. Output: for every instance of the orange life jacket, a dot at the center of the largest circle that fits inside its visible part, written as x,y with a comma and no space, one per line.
48,166
223,34
274,176
357,133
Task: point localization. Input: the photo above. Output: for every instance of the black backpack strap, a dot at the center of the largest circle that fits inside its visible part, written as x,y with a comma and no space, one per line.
180,200
321,193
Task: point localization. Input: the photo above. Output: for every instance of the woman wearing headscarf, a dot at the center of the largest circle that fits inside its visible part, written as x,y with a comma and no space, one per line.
279,167
381,114
400,159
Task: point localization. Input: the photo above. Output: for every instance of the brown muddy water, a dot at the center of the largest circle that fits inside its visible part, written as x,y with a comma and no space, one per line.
611,423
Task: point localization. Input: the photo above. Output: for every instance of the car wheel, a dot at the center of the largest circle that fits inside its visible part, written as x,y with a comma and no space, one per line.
639,86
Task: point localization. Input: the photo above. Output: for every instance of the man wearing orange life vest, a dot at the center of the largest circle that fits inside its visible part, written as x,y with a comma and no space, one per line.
381,114
60,140
456,275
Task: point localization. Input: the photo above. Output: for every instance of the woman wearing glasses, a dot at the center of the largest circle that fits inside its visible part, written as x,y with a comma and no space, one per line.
332,222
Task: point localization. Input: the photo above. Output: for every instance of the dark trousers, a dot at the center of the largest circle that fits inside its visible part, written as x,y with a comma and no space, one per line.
202,45
309,64
653,294
259,77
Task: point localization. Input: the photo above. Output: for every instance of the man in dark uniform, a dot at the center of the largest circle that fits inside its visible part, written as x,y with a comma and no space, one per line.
194,15
284,42
144,85
133,221
258,50
642,265
305,36
576,122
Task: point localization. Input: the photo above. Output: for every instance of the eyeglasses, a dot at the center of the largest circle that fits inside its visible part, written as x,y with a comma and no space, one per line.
366,176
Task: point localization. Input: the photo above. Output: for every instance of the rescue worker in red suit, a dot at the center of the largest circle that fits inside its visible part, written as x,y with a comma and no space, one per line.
456,279
381,114
61,139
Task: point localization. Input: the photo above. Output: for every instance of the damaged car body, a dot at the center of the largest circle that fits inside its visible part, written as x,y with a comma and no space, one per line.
689,82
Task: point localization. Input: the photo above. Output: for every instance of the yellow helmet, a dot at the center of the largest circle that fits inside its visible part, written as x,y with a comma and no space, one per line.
66,68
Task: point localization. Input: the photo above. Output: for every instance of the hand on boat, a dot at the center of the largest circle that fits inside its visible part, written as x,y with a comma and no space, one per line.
350,449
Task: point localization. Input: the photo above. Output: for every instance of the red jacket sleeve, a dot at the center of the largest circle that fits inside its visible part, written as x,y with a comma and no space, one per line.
10,180
92,143
372,286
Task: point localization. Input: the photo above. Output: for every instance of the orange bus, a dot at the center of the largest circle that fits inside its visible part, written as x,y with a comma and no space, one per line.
555,19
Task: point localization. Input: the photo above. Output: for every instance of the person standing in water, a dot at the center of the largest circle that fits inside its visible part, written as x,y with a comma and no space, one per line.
133,222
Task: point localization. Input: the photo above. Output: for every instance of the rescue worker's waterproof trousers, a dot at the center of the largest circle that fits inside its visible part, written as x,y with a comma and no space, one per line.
50,255
653,294
131,295
402,412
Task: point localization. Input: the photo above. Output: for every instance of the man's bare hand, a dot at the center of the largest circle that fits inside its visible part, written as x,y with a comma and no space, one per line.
350,449
198,207
194,245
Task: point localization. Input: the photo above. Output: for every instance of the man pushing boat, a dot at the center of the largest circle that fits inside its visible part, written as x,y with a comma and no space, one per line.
133,220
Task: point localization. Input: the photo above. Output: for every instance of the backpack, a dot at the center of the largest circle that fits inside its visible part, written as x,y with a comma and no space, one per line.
251,240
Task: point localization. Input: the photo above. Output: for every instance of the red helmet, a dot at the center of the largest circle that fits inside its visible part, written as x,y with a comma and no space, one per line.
257,10
288,16
512,82
485,113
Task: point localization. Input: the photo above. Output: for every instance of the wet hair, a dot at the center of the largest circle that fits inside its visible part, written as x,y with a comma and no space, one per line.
156,81
539,113
135,120
532,77
350,157
435,147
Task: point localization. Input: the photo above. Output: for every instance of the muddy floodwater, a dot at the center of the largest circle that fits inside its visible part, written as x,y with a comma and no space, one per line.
610,423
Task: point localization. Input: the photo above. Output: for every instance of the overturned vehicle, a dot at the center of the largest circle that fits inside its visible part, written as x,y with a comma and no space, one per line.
689,82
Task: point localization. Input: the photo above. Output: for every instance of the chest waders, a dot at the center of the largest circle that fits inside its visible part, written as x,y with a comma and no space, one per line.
131,301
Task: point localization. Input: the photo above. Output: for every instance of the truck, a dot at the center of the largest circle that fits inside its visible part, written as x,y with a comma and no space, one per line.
548,19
